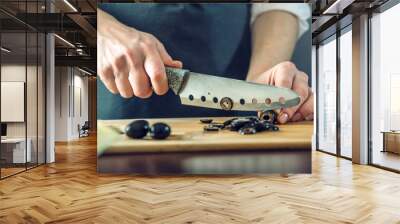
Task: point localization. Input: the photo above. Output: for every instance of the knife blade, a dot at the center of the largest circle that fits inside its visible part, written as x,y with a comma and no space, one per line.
210,91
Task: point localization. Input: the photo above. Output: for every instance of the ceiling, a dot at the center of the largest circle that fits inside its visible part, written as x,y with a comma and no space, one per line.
72,20
75,22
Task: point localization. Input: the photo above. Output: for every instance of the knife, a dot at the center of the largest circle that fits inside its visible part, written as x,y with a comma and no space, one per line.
209,91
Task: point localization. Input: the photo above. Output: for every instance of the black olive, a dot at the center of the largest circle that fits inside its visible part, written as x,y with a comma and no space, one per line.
206,120
137,129
160,130
239,123
260,127
228,122
267,125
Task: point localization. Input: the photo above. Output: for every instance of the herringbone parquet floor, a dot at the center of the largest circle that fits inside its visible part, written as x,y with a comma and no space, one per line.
70,191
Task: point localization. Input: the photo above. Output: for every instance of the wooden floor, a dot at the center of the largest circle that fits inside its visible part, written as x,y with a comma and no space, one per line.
70,191
10,171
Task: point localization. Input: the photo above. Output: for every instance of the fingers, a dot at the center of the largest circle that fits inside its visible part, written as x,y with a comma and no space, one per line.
156,71
307,109
107,77
300,86
123,85
137,67
286,75
137,76
283,76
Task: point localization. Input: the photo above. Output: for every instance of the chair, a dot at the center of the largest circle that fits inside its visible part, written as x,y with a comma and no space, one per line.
84,129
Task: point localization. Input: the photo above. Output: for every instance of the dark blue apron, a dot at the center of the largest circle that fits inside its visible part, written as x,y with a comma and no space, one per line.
207,38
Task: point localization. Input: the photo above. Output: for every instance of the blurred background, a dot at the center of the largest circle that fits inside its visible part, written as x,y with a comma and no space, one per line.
48,65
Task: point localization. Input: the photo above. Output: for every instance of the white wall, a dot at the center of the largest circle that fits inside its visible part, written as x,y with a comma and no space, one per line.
61,103
81,84
71,94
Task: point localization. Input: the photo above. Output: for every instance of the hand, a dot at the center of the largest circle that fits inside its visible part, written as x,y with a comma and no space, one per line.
131,62
286,75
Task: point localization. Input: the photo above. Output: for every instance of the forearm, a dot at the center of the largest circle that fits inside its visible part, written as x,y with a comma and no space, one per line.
110,27
274,38
105,22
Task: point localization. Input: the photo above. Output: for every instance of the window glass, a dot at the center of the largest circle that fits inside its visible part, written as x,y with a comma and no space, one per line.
346,94
31,97
41,98
15,150
385,84
327,96
22,90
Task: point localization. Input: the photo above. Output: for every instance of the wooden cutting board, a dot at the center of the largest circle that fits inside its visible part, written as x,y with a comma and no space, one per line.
188,136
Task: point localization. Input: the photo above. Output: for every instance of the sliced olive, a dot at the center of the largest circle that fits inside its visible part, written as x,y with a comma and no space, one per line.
206,121
260,127
217,125
239,123
228,122
210,128
247,130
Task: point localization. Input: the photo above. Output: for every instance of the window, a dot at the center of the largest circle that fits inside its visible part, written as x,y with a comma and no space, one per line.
346,92
385,89
22,78
326,96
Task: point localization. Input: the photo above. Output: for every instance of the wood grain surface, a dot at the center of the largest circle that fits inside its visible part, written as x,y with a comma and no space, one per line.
188,135
71,191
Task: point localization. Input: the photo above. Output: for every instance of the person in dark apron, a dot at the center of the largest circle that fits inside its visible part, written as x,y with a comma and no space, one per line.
135,41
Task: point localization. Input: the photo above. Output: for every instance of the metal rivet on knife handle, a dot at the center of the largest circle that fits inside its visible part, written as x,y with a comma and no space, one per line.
226,103
215,100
